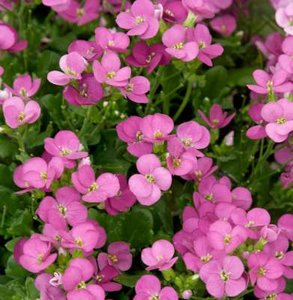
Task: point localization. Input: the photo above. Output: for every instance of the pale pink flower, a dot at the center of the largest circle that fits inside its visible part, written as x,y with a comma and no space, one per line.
284,17
159,256
153,179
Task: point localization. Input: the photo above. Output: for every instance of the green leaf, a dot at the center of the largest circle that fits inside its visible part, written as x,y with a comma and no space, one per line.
129,280
14,270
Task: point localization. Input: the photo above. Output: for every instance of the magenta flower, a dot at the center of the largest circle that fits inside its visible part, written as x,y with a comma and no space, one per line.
72,65
118,255
79,271
149,287
95,189
159,256
47,290
202,253
156,127
65,209
210,190
36,254
285,60
9,40
88,92
284,17
200,8
123,200
193,135
148,56
25,87
224,25
37,173
177,44
83,236
57,5
264,271
18,113
222,236
217,118
203,38
140,20
252,220
111,40
109,71
81,14
87,49
279,116
258,131
174,11
284,154
153,179
241,197
129,131
179,161
65,145
136,88
268,84
224,277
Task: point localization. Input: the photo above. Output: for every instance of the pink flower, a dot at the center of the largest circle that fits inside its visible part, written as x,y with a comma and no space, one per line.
79,271
178,45
241,197
284,154
36,254
88,91
156,128
159,256
18,113
149,287
222,236
136,88
264,271
202,9
47,290
258,131
285,223
153,178
210,190
111,40
174,11
284,17
279,116
285,60
57,5
118,255
203,38
123,200
130,132
202,253
268,84
224,277
193,135
72,65
9,40
95,189
83,236
65,145
25,87
37,173
81,14
148,56
217,118
179,161
87,49
109,71
224,25
252,220
66,208
140,20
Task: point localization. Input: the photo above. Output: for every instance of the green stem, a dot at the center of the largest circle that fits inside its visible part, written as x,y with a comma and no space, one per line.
185,101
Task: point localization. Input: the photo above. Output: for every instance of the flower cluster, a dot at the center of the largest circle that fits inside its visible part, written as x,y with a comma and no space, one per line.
232,246
65,255
18,107
162,154
272,110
